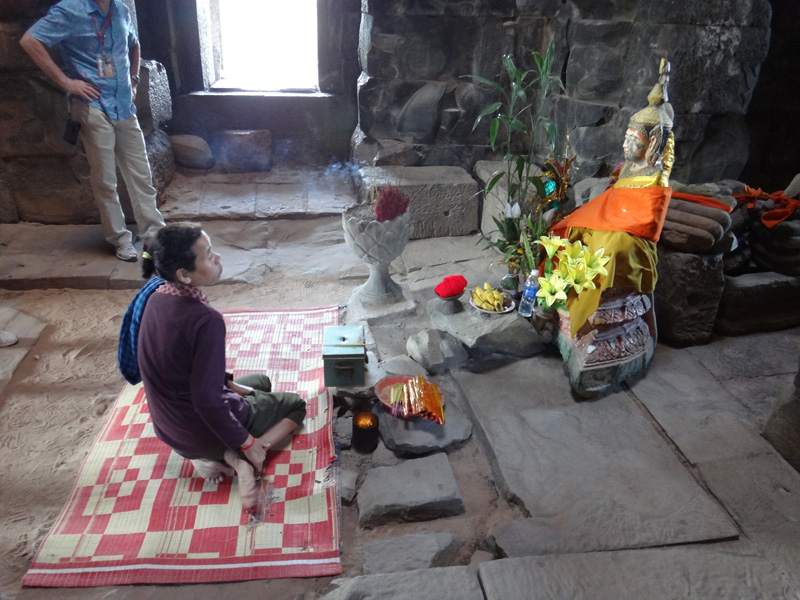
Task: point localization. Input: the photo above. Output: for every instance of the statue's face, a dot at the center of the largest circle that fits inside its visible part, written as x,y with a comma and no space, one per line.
634,147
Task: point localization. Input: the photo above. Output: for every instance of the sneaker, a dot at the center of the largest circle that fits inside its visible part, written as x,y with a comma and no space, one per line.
7,339
127,253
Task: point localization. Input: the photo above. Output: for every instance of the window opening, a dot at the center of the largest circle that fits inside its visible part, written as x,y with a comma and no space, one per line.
268,45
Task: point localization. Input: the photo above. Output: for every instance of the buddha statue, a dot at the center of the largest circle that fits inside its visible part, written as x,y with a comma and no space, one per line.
608,334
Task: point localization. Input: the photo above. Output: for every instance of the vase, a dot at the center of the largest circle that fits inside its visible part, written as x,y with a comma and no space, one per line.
510,283
377,243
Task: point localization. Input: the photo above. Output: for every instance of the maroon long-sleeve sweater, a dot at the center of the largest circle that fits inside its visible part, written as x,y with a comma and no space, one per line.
182,363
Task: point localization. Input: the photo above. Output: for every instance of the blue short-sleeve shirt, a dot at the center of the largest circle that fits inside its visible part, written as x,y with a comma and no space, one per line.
69,24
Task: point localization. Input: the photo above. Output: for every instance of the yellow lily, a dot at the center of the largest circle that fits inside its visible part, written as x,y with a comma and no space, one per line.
596,262
572,253
579,278
551,289
551,244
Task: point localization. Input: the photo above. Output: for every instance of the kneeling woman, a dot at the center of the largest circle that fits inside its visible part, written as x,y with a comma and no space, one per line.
196,407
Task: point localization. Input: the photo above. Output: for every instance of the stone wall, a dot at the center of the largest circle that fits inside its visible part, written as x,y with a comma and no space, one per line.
415,107
42,178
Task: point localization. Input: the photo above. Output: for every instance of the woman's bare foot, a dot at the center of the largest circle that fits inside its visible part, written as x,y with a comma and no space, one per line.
248,488
212,470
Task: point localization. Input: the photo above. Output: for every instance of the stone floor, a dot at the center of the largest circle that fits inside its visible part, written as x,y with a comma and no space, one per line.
663,489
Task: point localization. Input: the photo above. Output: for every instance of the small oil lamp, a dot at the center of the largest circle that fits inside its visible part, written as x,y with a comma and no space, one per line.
365,432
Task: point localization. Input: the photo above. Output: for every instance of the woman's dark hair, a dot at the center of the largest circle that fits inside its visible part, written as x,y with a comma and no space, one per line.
171,250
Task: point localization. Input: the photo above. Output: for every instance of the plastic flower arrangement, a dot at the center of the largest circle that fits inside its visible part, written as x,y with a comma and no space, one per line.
391,202
568,266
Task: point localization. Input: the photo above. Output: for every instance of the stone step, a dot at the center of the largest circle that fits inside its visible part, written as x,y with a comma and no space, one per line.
446,583
415,490
277,194
733,570
591,476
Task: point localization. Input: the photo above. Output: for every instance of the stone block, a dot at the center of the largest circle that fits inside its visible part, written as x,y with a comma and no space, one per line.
481,333
420,116
721,154
444,583
395,153
587,189
12,56
242,151
416,490
51,190
687,296
494,203
363,150
419,437
424,550
192,151
743,13
762,493
444,200
32,117
592,475
383,457
347,486
793,189
153,98
685,397
596,73
402,365
758,302
781,431
709,571
161,158
437,351
23,9
736,54
8,208
343,431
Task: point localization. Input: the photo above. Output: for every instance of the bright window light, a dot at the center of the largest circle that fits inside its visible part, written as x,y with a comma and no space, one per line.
269,45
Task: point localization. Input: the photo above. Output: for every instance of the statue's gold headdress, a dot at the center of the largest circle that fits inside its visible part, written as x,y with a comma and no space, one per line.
655,121
658,110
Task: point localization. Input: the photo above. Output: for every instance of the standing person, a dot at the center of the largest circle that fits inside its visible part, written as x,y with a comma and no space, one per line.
196,407
101,57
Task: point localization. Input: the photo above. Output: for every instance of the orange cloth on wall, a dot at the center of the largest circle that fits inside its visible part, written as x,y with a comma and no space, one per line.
638,211
703,200
784,206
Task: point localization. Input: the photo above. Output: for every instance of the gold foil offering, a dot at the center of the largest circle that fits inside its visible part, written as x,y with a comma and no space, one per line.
417,398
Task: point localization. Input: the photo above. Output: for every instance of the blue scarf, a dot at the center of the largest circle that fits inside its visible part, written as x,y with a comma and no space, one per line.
127,354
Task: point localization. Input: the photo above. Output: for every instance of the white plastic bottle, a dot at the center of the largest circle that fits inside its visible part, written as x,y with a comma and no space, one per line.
528,299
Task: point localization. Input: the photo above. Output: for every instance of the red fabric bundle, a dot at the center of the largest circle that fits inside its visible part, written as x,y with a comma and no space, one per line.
452,285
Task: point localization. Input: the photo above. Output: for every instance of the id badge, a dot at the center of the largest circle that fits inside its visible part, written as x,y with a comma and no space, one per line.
105,66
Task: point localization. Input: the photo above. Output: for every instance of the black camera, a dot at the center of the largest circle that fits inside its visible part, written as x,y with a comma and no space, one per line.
71,132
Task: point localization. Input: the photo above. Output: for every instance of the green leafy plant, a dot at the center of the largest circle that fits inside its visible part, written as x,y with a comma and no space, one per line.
520,113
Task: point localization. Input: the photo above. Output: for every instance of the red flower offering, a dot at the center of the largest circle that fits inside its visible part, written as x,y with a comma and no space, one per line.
452,285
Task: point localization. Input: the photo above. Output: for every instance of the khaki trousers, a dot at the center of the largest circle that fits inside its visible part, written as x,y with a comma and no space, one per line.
110,144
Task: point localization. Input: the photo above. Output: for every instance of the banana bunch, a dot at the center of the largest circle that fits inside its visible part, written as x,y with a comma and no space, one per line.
487,298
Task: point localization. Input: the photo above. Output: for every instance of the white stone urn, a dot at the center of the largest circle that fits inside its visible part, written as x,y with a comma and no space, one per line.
377,243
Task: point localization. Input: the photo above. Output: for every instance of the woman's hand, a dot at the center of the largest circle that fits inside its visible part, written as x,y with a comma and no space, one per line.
242,390
256,453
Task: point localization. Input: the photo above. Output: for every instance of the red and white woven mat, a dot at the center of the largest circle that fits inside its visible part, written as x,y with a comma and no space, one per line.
138,514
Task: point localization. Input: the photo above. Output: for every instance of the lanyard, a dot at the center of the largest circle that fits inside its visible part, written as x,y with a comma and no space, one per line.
102,36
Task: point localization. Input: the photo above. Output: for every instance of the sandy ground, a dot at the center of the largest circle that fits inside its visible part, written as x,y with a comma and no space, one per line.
59,397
